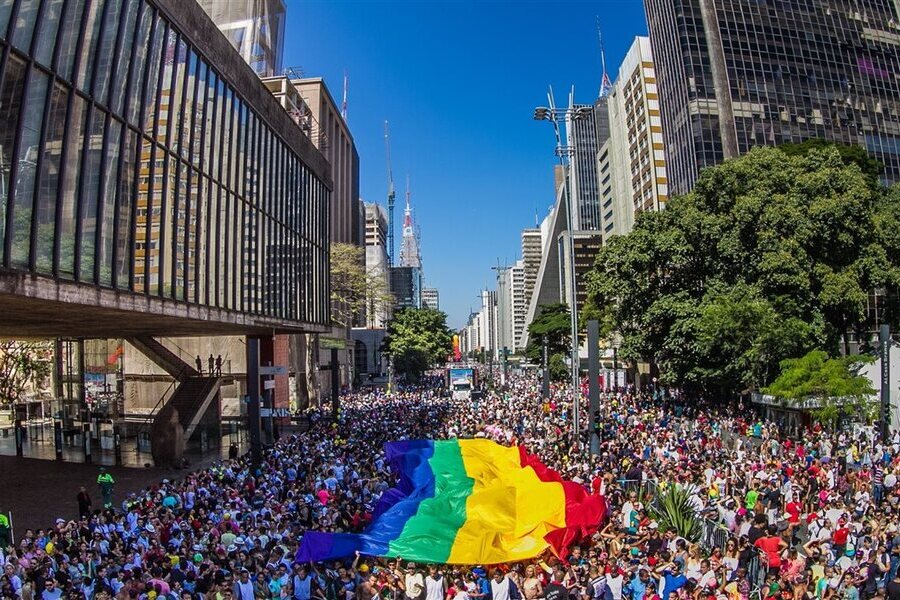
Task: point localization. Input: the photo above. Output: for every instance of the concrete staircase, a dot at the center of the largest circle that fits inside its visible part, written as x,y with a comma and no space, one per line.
192,399
164,358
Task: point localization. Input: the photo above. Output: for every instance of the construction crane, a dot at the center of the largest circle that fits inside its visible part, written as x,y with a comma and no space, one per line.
391,195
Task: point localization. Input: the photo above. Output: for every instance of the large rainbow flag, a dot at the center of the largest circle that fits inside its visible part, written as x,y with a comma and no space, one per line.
467,502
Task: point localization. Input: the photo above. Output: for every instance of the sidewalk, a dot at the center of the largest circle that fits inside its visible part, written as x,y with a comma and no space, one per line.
37,491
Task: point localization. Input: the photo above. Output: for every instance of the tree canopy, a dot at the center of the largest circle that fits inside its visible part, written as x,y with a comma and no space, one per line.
834,382
553,321
418,338
24,366
353,289
771,255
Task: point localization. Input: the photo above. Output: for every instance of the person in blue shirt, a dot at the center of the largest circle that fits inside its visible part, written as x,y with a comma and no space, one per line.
672,579
639,584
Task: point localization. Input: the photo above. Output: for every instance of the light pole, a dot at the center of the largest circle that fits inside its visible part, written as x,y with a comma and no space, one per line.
565,153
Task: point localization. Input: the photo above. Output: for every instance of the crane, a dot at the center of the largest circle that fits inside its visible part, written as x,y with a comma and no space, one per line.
391,195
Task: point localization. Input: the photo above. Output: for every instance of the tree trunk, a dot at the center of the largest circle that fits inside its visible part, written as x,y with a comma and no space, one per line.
298,366
312,380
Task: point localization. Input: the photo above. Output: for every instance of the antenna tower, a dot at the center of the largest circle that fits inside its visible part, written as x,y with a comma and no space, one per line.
390,196
346,90
605,83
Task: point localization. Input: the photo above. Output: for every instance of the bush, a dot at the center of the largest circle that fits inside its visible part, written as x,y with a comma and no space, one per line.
675,512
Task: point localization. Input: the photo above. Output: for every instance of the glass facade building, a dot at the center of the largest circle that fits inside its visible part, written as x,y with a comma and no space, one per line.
129,161
583,142
734,74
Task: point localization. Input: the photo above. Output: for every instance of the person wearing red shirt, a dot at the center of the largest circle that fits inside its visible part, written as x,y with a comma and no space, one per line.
772,545
839,537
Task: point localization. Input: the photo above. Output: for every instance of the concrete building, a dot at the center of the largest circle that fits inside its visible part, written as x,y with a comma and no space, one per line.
431,298
734,74
636,150
605,176
311,105
377,314
139,183
255,29
532,246
511,306
487,323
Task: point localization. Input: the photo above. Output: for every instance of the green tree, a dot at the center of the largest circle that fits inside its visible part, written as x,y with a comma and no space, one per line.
418,338
353,289
833,383
771,255
554,322
24,366
558,369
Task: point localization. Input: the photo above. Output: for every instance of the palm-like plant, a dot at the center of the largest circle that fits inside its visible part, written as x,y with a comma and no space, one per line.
674,511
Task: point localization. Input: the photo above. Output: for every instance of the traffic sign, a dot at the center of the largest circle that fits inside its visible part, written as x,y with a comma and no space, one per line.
273,370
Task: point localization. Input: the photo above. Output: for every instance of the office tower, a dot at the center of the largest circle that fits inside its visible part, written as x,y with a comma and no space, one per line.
734,74
406,286
581,136
636,155
255,29
431,298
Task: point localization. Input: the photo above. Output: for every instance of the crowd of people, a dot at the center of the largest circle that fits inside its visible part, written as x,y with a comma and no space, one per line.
783,519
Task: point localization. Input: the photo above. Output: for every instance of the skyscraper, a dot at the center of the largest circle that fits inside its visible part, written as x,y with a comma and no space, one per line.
409,246
734,74
581,135
638,162
255,29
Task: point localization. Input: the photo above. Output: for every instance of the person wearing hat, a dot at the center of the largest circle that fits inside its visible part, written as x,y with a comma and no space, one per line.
413,582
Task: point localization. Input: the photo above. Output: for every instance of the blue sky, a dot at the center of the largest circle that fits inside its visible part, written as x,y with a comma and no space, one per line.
458,82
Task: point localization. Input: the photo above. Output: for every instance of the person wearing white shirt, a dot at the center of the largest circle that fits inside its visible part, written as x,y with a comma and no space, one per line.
435,584
500,586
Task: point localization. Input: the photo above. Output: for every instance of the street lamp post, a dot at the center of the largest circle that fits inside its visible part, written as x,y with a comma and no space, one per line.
565,153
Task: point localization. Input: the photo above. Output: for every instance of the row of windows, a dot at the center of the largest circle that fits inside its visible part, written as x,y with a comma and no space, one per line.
126,161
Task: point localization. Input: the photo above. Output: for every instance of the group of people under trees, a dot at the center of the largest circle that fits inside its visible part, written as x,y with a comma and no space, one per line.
814,518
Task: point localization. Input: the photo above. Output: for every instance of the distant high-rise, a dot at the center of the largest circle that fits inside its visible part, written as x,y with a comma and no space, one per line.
532,247
511,306
734,74
431,298
637,158
376,262
255,29
409,245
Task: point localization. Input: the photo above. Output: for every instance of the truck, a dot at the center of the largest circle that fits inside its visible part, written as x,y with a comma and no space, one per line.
461,382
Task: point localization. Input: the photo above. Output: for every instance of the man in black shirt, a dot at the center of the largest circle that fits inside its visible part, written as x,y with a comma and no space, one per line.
555,590
893,587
